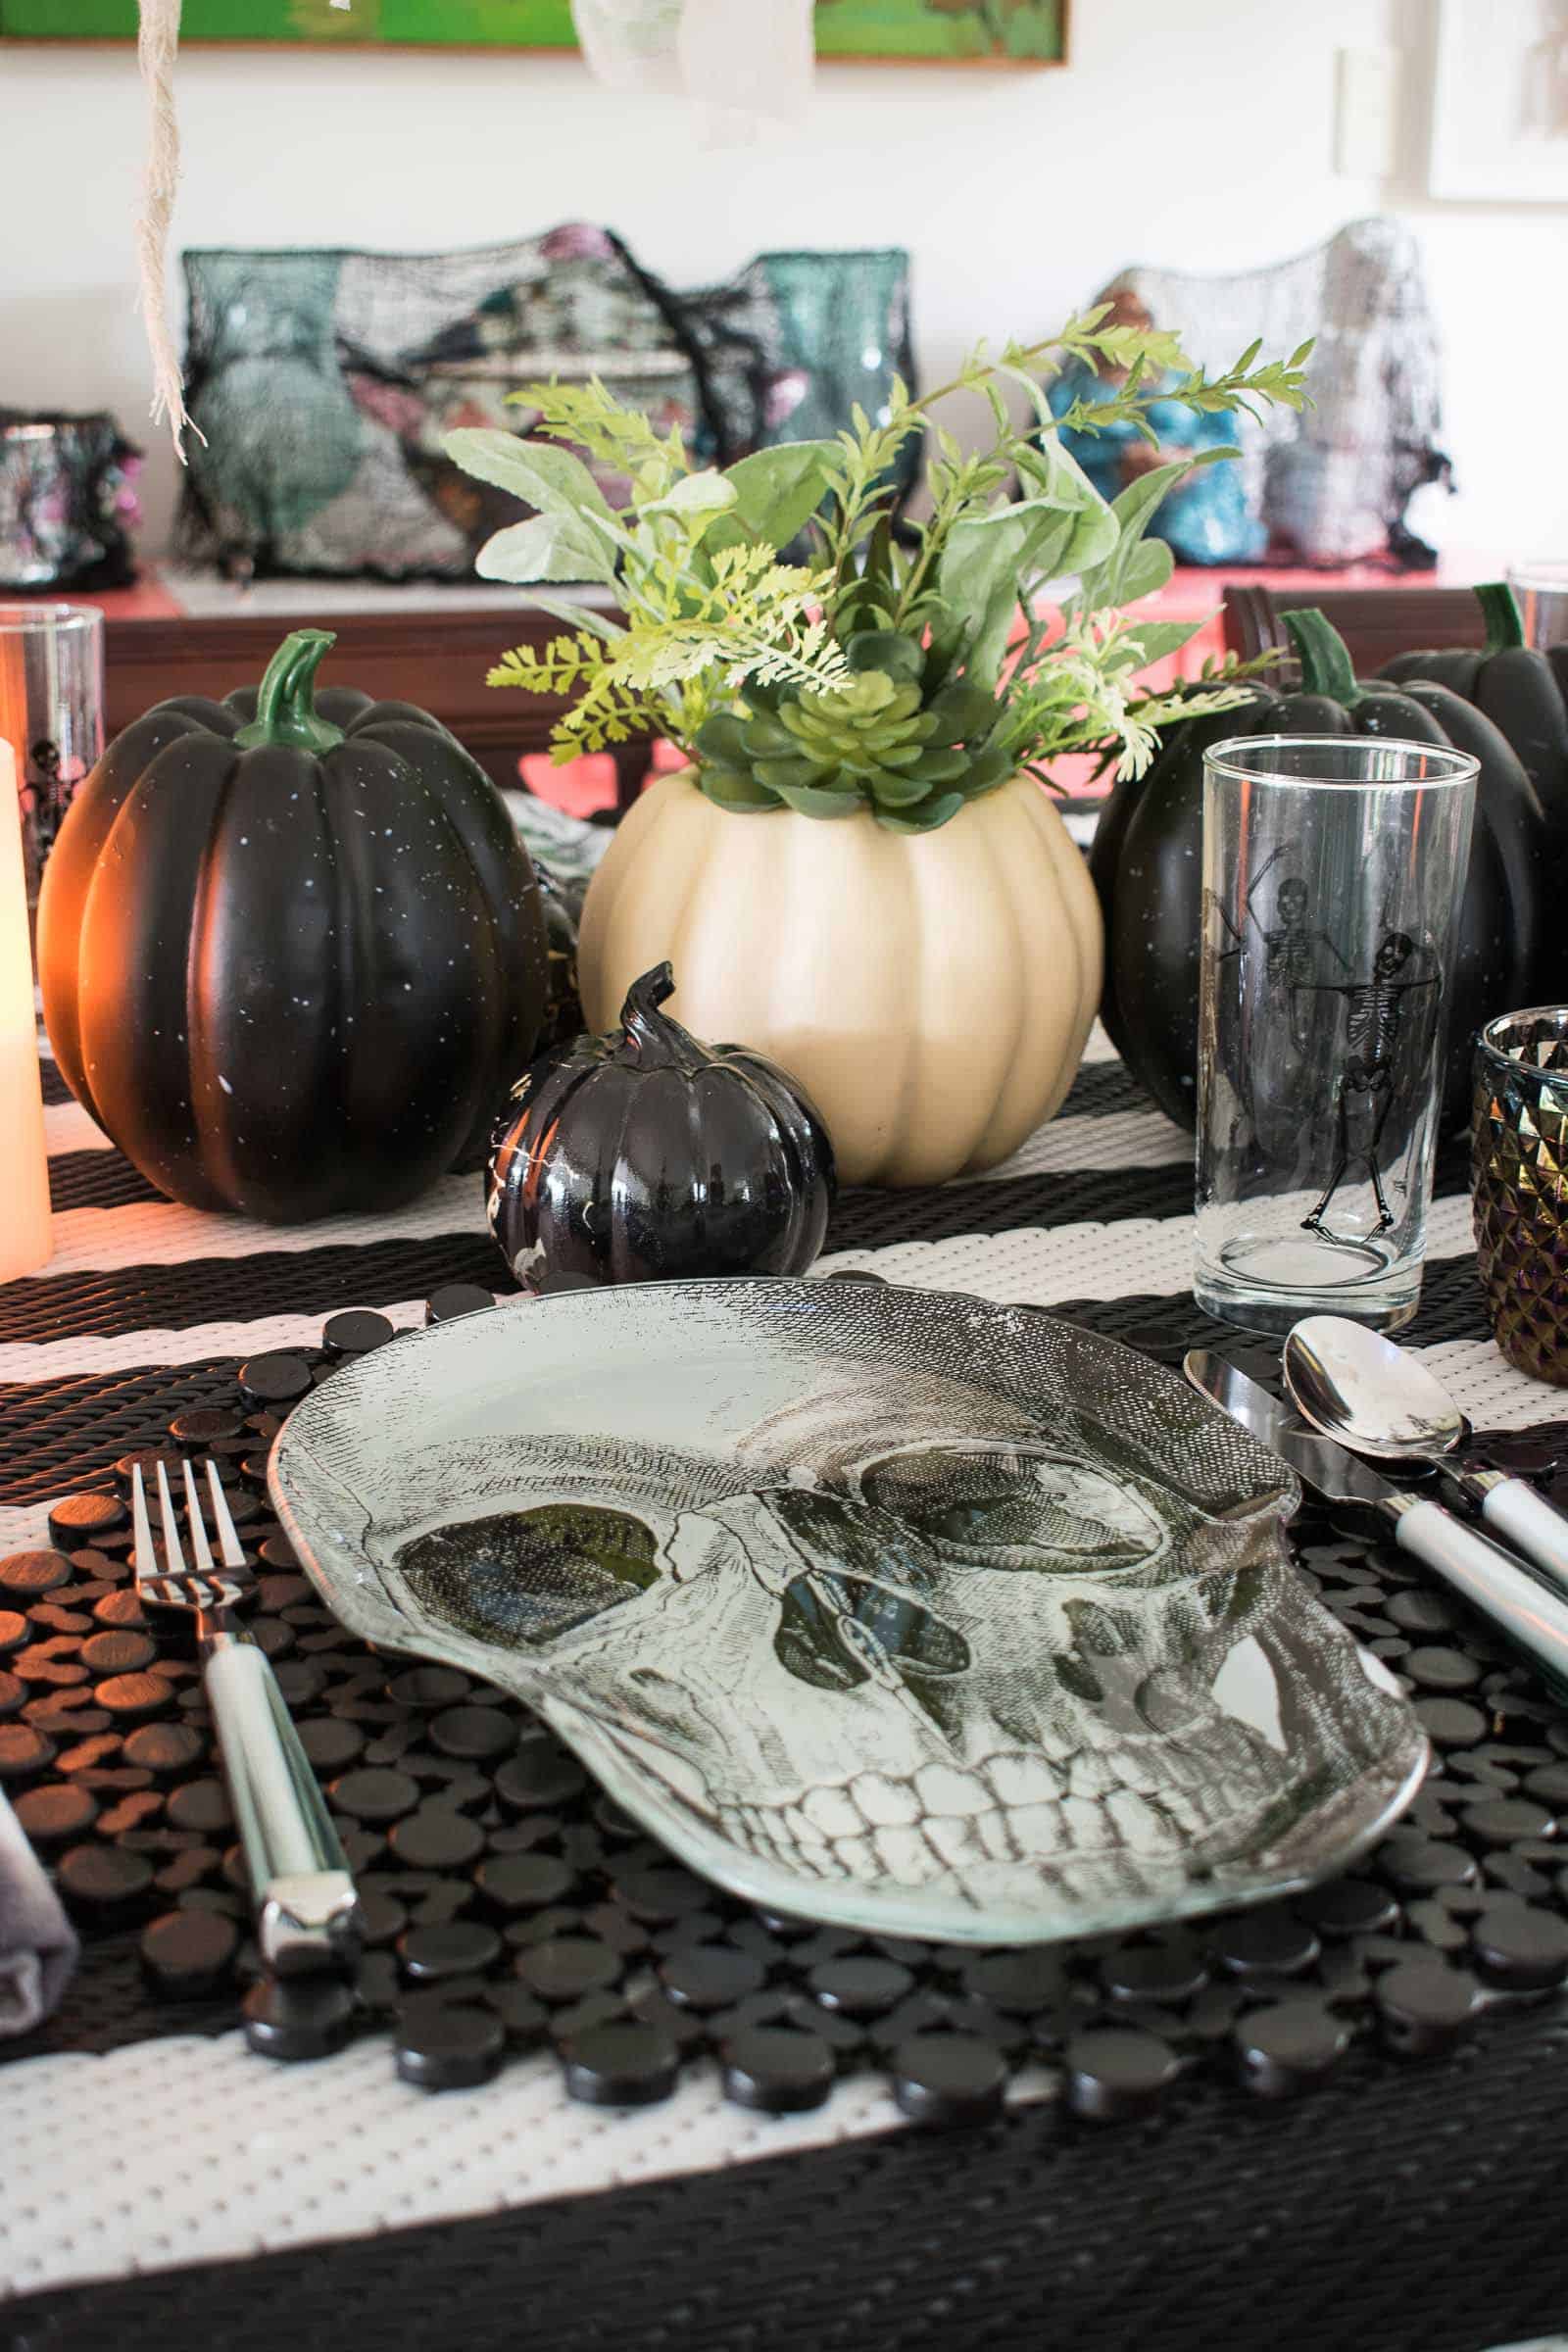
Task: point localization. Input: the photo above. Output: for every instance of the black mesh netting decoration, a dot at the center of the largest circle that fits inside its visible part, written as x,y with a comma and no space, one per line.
324,383
799,339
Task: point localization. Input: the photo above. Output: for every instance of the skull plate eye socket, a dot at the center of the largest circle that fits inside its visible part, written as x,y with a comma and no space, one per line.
519,1578
999,1499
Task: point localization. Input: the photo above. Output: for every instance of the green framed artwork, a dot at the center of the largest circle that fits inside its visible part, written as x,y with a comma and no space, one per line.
976,33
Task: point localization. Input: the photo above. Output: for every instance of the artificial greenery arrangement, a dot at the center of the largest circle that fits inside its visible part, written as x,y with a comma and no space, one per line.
872,674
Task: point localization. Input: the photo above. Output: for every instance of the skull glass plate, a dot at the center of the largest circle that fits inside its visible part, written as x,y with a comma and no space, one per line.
892,1608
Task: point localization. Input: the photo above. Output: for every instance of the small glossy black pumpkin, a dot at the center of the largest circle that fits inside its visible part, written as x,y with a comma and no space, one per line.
1146,865
291,955
645,1156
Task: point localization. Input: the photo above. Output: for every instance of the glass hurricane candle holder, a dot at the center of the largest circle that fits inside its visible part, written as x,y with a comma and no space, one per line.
51,714
1540,591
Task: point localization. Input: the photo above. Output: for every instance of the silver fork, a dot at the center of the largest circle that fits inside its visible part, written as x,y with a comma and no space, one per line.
306,1915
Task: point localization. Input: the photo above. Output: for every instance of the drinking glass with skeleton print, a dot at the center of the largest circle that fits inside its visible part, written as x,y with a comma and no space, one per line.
1333,868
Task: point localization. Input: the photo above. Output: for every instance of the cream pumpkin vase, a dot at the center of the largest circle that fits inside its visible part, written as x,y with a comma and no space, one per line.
933,991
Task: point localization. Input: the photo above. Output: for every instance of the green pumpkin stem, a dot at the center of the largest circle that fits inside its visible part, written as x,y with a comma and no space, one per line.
1500,610
1326,665
658,1041
285,701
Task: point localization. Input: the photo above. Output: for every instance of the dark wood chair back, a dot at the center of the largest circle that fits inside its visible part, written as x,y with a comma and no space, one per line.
1376,623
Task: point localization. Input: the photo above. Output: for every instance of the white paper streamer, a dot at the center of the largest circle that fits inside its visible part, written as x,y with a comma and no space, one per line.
742,63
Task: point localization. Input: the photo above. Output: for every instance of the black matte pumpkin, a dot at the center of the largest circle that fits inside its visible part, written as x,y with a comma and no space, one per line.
291,954
1146,864
1523,693
646,1155
1519,689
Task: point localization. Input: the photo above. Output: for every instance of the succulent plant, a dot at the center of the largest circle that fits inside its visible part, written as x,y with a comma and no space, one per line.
897,737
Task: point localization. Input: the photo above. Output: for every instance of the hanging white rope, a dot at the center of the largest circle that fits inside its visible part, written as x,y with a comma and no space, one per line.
745,63
157,45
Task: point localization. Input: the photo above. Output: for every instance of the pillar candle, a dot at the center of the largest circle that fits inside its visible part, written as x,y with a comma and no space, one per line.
24,1161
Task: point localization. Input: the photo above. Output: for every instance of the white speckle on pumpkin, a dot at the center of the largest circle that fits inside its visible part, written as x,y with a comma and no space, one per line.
223,1083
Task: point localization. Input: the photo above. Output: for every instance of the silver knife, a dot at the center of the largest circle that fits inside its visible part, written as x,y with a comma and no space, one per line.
1489,1578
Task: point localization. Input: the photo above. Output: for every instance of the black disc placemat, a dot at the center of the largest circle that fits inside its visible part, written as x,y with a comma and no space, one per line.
511,1906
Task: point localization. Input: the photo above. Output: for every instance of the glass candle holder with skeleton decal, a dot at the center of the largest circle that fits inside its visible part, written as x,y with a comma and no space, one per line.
51,713
1333,870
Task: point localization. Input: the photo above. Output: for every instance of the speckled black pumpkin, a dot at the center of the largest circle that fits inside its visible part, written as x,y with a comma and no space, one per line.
291,954
644,1156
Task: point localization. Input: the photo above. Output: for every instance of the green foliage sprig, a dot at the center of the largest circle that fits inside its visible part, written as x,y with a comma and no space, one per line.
872,674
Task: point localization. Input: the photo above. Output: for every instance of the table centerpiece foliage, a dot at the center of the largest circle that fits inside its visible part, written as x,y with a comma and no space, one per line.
815,665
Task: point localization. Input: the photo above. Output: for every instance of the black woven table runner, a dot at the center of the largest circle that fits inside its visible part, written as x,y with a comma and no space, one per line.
67,1433
1409,2211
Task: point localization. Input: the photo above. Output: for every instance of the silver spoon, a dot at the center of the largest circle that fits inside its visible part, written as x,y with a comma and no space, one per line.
1358,1387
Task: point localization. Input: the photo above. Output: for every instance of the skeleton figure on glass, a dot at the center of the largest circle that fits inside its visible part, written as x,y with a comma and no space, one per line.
1375,1028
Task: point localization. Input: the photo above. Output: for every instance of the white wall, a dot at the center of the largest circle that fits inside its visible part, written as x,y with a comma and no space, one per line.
1192,132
